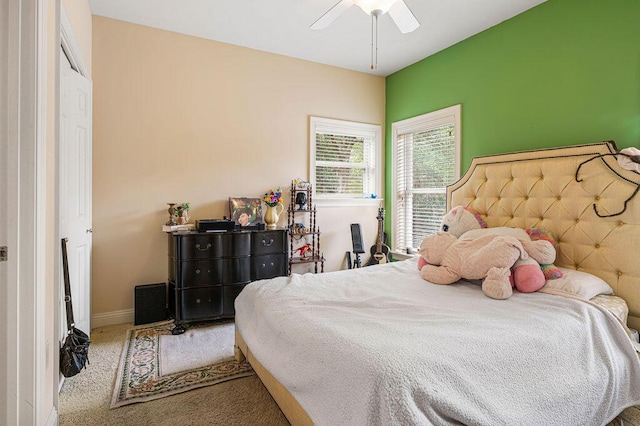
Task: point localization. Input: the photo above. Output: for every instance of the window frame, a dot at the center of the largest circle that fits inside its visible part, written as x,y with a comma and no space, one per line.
347,128
415,124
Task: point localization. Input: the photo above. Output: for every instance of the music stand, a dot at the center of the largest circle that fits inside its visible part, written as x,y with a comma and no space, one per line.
358,247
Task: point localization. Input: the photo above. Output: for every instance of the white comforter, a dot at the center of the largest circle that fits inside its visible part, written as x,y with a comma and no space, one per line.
380,346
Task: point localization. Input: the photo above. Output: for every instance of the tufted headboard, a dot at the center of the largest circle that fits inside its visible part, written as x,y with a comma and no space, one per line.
539,189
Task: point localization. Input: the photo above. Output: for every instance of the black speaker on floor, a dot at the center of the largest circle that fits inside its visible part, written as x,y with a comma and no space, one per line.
150,303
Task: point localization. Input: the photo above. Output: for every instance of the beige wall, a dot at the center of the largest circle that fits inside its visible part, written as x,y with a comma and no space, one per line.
183,119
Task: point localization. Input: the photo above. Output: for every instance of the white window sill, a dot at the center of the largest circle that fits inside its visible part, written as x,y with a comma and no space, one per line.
348,202
398,255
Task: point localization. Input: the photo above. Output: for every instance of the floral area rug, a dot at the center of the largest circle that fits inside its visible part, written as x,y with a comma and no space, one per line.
155,364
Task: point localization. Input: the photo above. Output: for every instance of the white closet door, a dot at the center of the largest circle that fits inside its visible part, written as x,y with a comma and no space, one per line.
75,190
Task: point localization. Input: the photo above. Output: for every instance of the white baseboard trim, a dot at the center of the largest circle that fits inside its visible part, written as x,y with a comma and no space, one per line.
53,417
111,318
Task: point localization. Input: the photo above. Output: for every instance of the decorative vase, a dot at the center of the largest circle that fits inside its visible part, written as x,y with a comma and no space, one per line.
272,214
171,211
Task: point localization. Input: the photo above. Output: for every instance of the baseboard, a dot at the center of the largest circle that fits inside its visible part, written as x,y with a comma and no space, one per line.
111,318
53,417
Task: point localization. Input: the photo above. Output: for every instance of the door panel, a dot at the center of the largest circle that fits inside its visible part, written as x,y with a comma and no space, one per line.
75,190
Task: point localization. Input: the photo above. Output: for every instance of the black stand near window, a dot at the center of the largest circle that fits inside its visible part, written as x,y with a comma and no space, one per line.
358,247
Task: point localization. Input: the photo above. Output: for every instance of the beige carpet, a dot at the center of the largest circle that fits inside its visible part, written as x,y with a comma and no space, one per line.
629,417
85,398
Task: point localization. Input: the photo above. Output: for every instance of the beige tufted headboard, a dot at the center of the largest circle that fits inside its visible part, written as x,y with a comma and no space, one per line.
539,189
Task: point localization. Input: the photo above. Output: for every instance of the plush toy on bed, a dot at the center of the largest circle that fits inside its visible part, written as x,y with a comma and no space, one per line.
527,275
489,257
461,219
550,270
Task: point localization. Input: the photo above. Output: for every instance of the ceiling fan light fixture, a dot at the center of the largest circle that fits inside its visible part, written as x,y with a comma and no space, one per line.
368,6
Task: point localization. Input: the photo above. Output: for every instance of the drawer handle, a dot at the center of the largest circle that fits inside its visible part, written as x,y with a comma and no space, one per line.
203,249
267,244
271,264
197,271
264,265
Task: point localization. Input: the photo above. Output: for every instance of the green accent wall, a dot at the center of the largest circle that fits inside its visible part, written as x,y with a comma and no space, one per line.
566,72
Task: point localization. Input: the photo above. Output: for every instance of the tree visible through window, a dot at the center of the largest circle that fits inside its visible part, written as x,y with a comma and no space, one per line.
426,160
340,165
345,158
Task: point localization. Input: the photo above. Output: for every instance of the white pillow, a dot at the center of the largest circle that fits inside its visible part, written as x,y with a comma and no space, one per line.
581,283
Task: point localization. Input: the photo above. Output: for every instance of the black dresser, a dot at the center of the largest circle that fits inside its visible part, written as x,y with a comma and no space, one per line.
208,270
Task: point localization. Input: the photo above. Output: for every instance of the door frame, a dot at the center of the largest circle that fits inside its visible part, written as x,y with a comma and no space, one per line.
24,93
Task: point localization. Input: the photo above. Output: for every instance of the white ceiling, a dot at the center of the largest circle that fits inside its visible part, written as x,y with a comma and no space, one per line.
282,26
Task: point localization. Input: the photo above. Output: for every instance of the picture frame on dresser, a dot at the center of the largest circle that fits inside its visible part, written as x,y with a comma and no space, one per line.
245,211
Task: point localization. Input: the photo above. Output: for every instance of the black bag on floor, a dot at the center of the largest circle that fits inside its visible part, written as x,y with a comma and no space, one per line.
74,353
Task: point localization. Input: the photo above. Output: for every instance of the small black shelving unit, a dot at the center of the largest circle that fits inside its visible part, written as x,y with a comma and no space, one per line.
304,235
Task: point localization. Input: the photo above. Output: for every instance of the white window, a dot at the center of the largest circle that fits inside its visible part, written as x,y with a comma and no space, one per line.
426,158
345,162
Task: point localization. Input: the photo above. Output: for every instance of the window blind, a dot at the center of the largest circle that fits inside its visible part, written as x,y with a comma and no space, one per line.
345,165
425,165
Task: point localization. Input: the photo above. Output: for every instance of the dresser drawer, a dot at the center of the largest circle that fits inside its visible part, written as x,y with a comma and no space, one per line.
236,244
268,242
199,246
268,266
199,303
229,294
198,273
236,270
214,245
172,268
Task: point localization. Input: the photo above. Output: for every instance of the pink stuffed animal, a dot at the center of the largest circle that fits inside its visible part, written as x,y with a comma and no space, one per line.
456,222
488,257
526,274
460,220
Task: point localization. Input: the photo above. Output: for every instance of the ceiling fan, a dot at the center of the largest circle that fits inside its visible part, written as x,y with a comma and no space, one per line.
398,10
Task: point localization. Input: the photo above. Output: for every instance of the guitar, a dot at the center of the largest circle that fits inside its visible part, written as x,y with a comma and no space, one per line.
379,251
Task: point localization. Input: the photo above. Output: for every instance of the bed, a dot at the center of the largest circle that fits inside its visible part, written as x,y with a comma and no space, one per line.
379,345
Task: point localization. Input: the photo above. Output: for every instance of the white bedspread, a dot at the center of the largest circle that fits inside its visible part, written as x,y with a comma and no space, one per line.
380,346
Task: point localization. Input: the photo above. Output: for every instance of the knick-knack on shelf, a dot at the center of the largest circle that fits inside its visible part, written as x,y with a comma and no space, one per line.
182,213
301,201
171,210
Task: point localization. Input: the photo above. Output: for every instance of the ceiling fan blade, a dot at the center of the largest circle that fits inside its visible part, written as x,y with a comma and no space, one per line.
403,17
325,20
